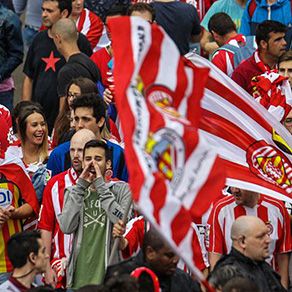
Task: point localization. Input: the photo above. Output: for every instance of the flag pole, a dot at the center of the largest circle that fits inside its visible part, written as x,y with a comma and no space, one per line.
117,239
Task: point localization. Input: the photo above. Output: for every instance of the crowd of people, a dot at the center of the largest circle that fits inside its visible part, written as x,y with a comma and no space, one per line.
67,220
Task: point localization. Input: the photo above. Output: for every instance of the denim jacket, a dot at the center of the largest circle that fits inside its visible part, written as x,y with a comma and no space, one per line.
11,45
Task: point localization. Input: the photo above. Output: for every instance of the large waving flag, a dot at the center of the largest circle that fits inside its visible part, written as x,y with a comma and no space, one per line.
255,146
174,174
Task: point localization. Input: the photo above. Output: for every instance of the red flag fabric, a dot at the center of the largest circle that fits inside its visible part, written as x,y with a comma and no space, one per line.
255,146
174,175
14,170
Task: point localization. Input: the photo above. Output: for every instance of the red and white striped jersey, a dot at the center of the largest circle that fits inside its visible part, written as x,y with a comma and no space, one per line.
91,26
271,211
224,59
52,206
134,234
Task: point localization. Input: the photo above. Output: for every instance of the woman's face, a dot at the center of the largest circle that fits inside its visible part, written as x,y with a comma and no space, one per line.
77,7
36,129
73,92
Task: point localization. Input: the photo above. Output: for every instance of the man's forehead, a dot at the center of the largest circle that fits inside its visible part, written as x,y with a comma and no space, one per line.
94,151
50,4
85,111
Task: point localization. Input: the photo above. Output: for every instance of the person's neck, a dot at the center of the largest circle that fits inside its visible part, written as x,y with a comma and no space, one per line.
70,50
24,275
230,35
50,32
74,17
30,152
268,59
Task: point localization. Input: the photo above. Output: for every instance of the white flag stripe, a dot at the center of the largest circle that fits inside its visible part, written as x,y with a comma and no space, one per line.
183,105
257,188
199,165
220,106
168,64
141,47
226,149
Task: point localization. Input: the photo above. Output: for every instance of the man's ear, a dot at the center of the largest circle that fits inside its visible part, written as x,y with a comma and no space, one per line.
101,122
150,253
65,13
241,241
108,165
32,258
263,45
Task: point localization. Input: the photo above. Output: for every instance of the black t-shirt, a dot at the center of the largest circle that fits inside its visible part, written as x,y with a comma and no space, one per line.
78,65
42,64
180,21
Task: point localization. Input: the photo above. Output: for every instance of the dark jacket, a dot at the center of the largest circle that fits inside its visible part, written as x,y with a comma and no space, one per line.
11,45
179,281
235,264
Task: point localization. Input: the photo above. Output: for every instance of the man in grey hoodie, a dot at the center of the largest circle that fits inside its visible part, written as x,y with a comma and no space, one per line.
91,207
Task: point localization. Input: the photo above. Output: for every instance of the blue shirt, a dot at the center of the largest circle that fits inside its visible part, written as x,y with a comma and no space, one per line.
59,160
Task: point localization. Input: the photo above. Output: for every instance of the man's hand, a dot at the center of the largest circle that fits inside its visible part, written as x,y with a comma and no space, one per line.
88,173
118,231
107,96
50,277
5,214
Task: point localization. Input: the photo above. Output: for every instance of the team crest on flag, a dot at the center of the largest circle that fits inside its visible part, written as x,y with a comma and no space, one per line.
266,161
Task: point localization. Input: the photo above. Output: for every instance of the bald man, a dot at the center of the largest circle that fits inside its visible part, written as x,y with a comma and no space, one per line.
250,247
58,249
65,37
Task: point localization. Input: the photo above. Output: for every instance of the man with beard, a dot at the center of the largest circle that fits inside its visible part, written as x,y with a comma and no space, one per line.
56,242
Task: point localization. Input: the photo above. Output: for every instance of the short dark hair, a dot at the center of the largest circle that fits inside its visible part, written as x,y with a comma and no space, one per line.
141,7
63,4
122,283
221,23
287,56
264,29
240,284
99,144
20,245
93,101
117,9
152,239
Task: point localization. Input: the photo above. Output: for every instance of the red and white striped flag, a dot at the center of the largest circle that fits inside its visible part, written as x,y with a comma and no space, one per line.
174,174
255,146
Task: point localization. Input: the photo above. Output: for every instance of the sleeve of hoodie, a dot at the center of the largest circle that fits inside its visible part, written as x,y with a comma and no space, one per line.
245,21
73,203
114,205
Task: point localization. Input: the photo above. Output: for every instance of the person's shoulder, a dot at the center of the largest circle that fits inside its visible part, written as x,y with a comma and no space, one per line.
64,147
180,277
58,177
247,64
115,146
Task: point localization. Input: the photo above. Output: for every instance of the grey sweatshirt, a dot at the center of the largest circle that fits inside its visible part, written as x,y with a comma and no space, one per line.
32,9
114,197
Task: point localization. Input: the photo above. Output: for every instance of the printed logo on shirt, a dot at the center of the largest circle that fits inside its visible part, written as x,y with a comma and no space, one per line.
5,197
94,214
